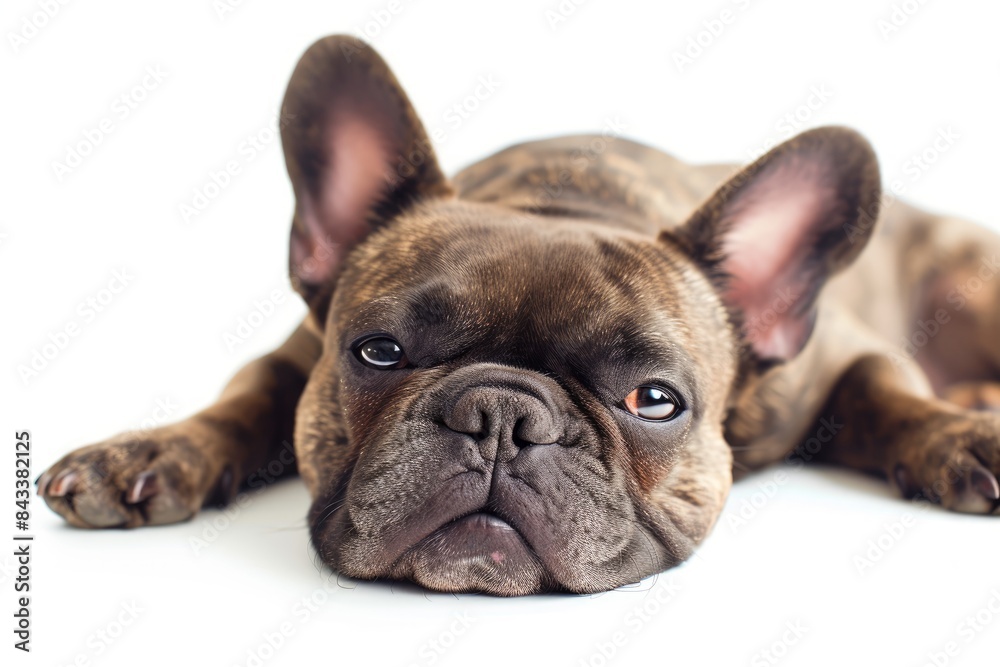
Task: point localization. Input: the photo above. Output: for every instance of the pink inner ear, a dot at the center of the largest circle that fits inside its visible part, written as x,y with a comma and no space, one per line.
353,178
772,225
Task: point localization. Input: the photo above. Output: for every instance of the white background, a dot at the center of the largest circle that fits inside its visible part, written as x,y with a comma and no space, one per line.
795,561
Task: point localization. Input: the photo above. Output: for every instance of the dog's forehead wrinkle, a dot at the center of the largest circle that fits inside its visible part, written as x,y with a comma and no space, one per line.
507,261
378,305
513,302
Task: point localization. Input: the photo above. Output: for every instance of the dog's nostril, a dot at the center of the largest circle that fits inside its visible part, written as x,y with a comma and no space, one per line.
484,426
472,421
526,432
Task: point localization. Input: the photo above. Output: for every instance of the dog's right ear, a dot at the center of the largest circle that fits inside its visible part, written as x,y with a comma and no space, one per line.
775,233
357,155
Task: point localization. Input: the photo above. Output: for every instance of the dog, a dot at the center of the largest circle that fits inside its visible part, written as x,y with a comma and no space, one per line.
544,373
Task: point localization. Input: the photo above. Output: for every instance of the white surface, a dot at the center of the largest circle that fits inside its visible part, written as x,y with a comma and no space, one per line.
162,338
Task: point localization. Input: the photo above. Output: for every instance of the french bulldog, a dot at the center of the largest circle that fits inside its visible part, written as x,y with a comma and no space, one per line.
543,373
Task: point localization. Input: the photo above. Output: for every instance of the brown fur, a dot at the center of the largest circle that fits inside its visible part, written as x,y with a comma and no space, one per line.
542,284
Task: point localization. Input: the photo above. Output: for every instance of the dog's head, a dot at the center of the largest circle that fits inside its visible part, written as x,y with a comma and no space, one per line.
513,403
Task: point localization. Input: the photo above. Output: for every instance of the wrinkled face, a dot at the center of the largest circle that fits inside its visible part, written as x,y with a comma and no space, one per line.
513,406
510,403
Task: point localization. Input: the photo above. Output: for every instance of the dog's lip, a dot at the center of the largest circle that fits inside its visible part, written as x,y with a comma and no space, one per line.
477,552
481,520
481,536
484,519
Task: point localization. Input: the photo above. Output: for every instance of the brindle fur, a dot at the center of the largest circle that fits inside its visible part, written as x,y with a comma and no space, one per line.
562,268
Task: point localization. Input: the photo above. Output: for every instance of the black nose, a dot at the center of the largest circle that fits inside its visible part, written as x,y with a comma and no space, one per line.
511,407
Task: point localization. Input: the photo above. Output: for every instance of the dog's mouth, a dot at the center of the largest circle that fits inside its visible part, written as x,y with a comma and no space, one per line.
480,528
483,519
478,535
478,551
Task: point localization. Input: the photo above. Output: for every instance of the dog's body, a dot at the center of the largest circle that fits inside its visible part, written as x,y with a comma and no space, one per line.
541,374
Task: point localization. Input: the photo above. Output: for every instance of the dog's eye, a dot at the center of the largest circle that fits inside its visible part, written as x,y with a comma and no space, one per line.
652,403
380,352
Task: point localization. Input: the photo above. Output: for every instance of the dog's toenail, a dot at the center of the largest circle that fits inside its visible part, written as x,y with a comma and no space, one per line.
43,482
146,486
983,481
63,484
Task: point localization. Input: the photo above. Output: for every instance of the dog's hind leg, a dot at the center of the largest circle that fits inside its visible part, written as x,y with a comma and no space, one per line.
975,395
167,474
955,331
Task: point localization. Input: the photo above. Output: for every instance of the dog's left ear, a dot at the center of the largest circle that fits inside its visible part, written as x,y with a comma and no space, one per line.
772,236
357,155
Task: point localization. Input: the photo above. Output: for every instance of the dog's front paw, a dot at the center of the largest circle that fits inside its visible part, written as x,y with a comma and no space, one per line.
953,460
159,477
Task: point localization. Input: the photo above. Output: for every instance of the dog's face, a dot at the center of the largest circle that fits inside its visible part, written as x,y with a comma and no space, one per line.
507,403
519,405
